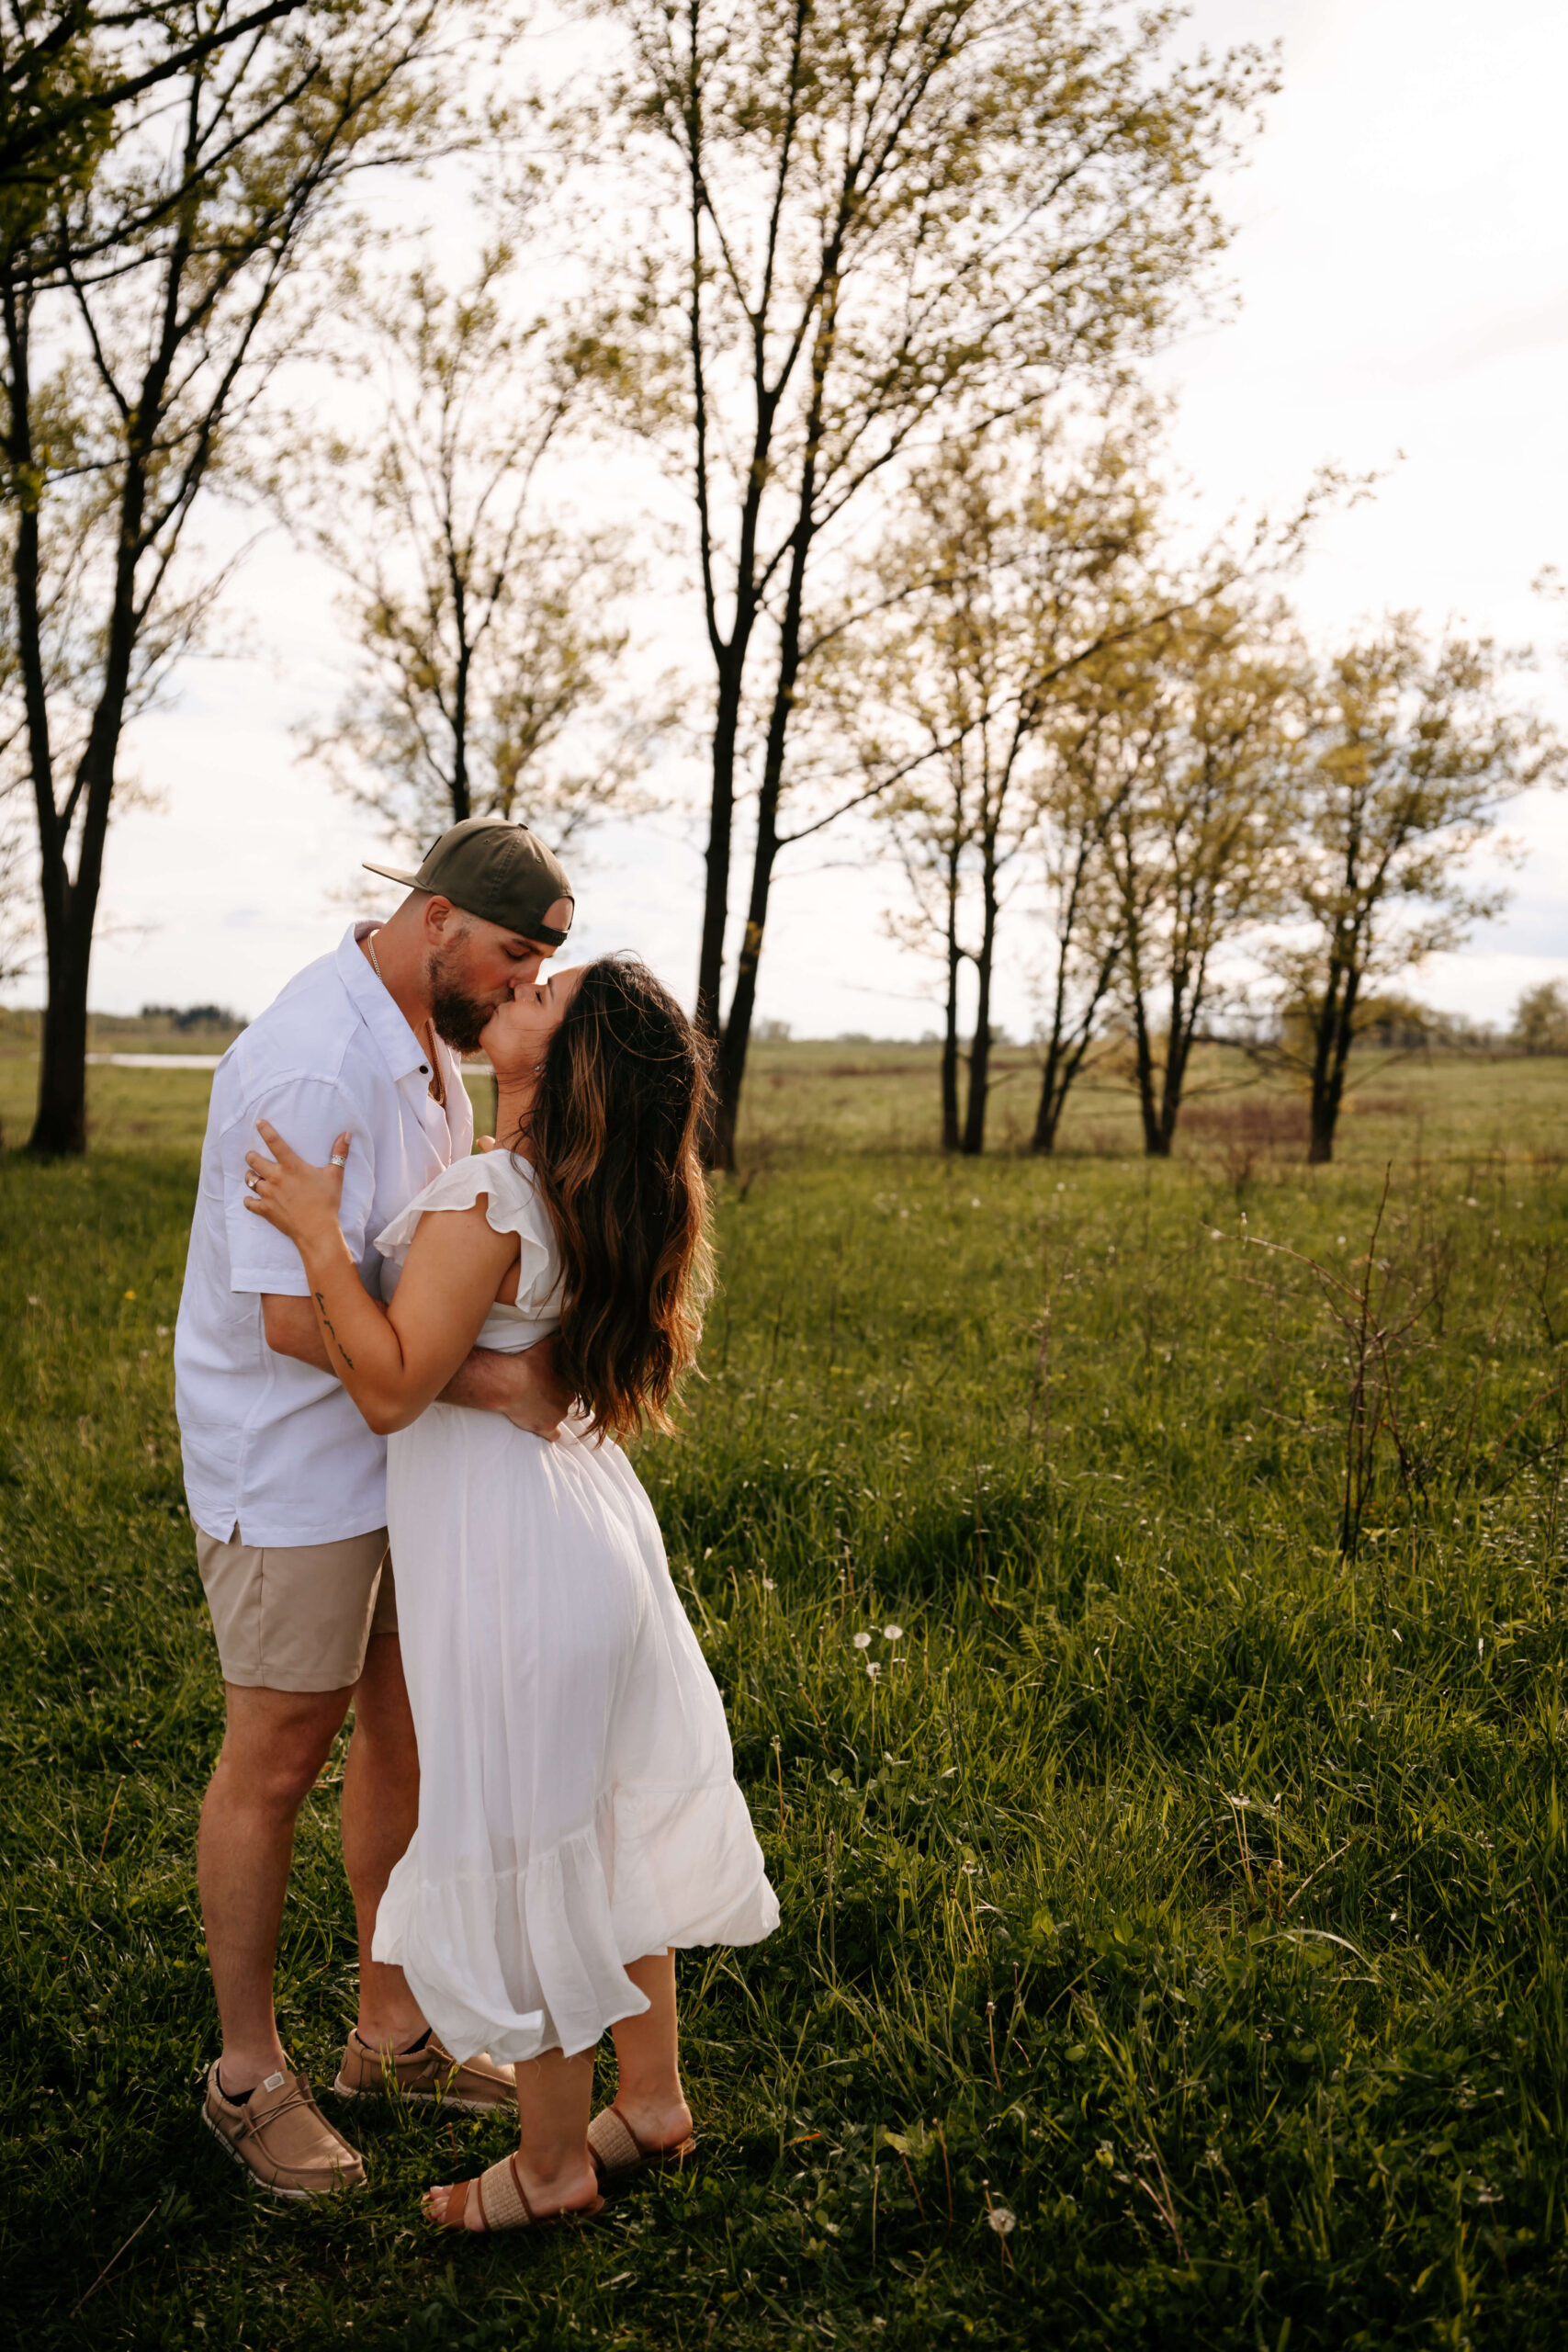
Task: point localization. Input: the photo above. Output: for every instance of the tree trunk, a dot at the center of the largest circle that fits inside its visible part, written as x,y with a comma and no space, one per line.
737,1036
1048,1110
1331,1055
1053,1090
1157,1143
72,908
1184,1014
60,1124
949,1049
721,839
1065,1058
71,905
462,799
980,1052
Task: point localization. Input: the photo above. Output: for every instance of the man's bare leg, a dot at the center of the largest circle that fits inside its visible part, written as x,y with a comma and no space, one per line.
275,1743
380,1807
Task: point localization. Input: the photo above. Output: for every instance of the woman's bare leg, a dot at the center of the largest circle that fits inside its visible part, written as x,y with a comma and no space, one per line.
648,2059
553,2097
554,2092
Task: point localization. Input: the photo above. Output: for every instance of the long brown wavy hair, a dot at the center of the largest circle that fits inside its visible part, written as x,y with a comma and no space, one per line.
613,1139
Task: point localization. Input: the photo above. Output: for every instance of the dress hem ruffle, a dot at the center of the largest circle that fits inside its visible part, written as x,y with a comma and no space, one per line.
532,1956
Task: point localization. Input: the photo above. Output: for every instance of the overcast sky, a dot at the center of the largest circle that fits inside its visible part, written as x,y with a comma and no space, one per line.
1402,269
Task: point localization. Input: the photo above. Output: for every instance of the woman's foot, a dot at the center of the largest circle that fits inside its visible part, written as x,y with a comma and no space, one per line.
657,2122
574,2191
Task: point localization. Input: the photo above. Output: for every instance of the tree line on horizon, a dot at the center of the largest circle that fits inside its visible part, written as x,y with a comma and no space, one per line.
863,291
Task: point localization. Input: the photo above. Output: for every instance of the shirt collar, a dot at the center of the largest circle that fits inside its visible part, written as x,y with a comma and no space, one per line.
401,1050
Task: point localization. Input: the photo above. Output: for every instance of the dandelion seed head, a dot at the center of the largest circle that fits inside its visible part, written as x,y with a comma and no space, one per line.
1002,2220
893,1633
862,1641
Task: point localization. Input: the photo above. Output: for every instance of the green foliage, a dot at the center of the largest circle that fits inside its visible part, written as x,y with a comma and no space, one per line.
1541,1019
1172,1887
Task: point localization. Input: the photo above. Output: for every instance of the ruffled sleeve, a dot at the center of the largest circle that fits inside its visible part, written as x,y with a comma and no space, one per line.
511,1206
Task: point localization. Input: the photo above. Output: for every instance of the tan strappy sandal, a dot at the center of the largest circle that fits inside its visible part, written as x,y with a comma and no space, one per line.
617,2153
503,2204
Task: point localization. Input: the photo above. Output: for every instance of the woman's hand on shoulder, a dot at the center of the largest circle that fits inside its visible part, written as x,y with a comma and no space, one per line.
300,1201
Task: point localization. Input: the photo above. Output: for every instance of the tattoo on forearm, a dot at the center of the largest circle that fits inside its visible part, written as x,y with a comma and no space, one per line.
326,1325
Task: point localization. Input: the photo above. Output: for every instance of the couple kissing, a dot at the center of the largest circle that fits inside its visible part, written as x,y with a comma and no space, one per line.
398,1355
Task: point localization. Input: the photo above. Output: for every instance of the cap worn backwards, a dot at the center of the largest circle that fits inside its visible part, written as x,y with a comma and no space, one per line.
497,870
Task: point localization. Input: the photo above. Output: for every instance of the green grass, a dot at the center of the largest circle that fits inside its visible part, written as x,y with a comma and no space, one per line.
1189,1892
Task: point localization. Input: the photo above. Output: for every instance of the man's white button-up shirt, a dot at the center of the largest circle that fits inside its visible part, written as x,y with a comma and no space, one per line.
270,1444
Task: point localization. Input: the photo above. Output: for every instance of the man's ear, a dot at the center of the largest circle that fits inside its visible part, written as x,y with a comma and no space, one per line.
438,915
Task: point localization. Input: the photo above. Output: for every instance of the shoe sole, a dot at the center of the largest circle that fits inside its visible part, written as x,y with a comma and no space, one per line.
429,2098
272,2187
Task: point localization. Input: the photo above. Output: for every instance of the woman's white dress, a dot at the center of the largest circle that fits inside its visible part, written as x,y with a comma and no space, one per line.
578,1806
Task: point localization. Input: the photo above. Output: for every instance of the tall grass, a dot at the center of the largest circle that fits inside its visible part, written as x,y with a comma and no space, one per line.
1172,1948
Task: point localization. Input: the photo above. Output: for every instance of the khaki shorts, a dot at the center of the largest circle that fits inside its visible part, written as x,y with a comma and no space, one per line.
297,1616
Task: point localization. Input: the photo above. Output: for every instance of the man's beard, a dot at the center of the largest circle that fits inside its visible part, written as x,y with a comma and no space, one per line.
457,1017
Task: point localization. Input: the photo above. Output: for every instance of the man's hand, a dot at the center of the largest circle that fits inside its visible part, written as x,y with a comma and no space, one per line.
525,1388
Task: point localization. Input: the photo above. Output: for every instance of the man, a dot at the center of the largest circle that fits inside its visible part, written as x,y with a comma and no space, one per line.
286,1485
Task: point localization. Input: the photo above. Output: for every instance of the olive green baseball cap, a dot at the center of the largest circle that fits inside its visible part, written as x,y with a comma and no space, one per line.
497,870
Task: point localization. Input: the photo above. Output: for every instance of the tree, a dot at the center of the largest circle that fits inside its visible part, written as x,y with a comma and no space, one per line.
486,629
140,323
1414,751
1541,1020
870,224
1015,565
65,73
1197,846
1102,737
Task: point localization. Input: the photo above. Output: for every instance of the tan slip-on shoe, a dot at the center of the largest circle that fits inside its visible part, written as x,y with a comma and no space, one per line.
282,2138
428,2074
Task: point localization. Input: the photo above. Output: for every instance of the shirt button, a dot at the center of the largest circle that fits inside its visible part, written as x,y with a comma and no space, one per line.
425,1069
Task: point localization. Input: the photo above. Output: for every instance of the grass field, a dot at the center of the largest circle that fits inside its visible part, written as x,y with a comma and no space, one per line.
1187,1892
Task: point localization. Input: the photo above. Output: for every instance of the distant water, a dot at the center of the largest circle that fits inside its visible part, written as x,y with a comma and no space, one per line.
210,1061
159,1061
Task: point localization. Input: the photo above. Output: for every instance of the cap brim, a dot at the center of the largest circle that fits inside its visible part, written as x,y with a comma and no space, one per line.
392,873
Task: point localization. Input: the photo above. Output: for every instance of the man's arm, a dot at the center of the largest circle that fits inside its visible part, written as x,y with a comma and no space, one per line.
291,1329
526,1387
523,1387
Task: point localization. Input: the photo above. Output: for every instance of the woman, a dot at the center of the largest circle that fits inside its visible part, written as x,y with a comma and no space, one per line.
579,1816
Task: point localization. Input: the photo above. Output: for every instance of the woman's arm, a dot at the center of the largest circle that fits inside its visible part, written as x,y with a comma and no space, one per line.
392,1360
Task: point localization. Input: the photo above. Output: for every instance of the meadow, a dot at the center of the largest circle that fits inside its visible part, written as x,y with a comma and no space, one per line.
1135,1591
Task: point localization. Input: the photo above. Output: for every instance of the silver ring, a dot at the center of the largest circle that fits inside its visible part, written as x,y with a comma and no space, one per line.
253,1182
340,1160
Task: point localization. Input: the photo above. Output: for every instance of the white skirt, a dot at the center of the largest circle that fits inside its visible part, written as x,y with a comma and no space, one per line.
578,1807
